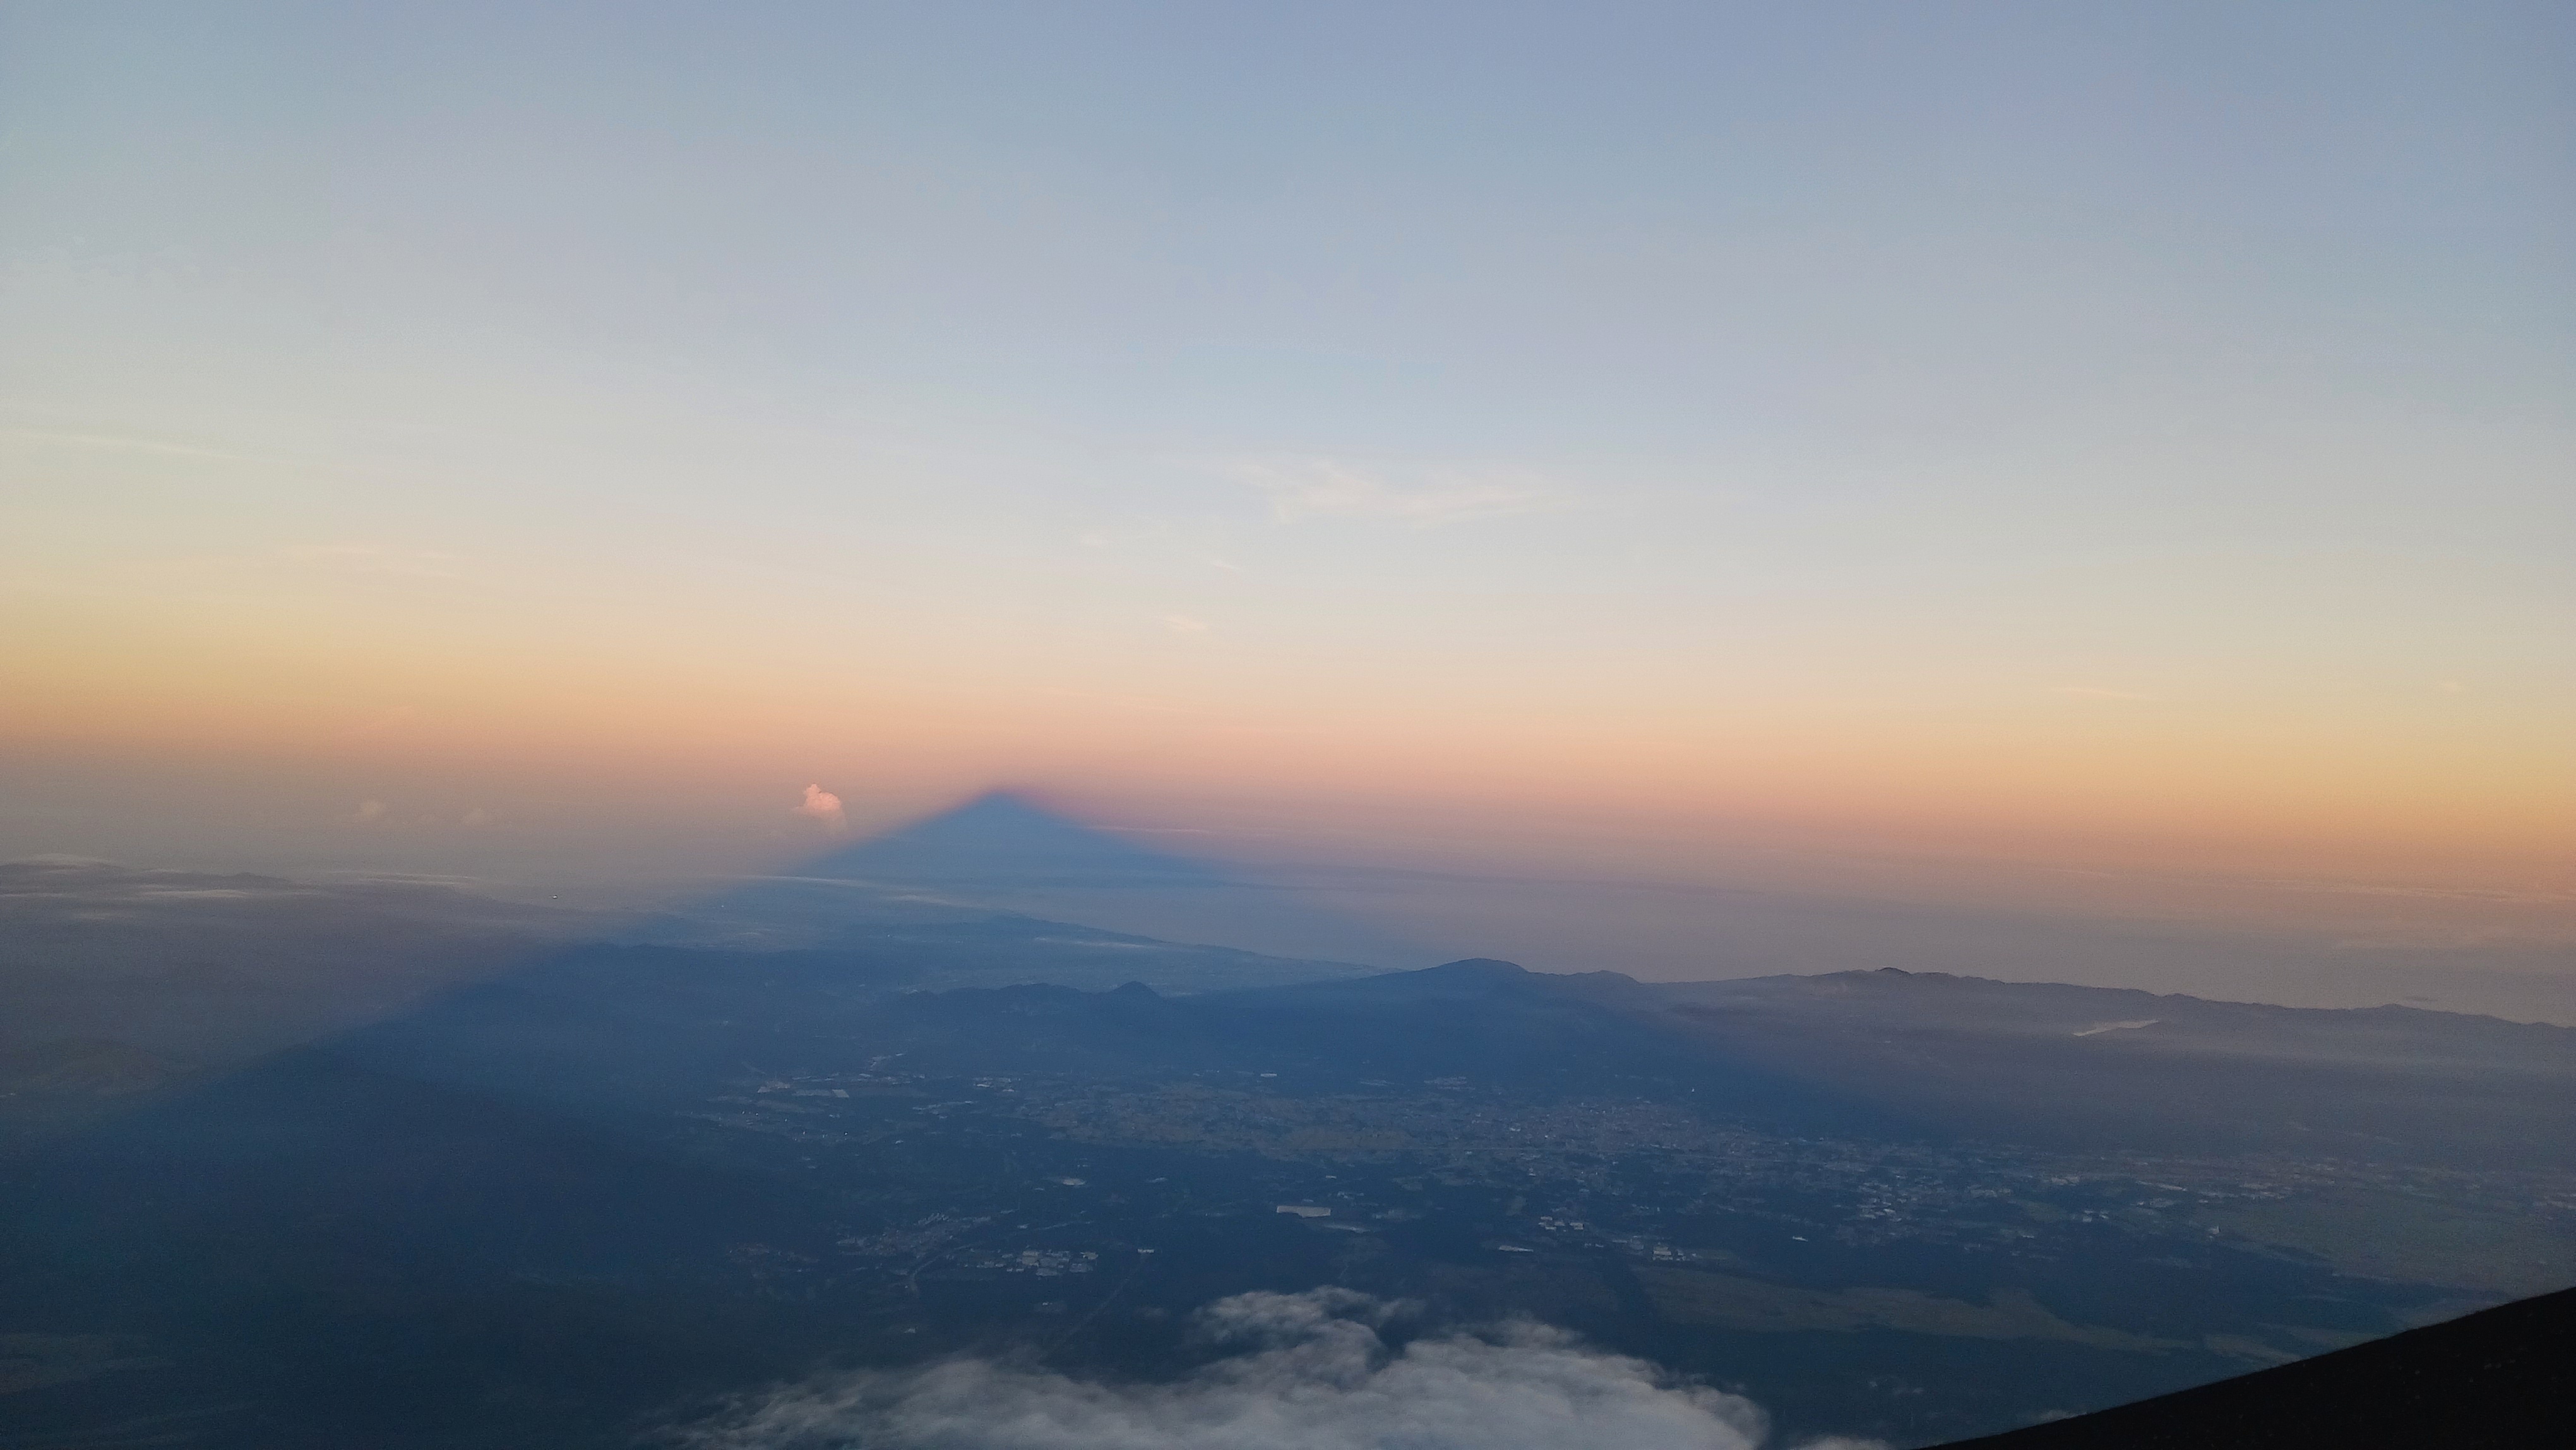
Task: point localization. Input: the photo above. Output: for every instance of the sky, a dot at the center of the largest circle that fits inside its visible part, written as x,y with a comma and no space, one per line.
1967,453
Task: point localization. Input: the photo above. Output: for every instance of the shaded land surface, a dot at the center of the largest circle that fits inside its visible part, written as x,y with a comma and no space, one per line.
574,1202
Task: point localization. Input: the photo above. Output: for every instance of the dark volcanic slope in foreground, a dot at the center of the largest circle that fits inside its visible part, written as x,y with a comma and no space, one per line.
2498,1378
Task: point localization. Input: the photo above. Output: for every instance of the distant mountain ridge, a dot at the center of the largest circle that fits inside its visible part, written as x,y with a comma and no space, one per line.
2030,1061
2000,1061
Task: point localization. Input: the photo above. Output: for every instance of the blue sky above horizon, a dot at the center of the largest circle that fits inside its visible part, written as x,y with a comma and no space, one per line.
2135,435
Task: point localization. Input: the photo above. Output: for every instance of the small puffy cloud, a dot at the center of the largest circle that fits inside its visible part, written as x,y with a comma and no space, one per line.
1326,488
369,812
1308,1372
821,805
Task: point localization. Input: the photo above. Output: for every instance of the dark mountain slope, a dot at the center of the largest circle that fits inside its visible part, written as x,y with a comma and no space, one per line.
2502,1377
1880,1052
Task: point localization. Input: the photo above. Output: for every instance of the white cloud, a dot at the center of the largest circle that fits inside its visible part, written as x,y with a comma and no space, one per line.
1183,624
1326,488
369,812
1310,1372
820,804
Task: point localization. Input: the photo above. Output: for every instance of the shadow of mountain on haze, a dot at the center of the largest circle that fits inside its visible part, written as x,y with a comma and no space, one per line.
1000,837
1003,853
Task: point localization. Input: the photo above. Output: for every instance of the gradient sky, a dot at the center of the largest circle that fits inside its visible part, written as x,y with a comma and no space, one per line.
1619,438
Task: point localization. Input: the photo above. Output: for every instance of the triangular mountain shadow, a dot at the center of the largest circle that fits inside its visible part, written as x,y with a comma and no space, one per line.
1002,854
1003,838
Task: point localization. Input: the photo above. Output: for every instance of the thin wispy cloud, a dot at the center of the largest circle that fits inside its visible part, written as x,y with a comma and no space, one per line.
1183,624
121,443
1325,488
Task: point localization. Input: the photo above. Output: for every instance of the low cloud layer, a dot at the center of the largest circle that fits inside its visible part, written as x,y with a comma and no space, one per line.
1309,1372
